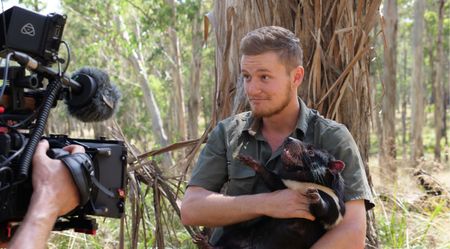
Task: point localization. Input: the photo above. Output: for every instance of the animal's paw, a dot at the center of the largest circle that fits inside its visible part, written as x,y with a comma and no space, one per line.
201,240
246,159
249,161
313,195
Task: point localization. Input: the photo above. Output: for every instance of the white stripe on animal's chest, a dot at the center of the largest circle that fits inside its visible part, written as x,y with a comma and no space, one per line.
301,187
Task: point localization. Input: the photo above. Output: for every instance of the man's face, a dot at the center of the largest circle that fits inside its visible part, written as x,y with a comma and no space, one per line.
268,86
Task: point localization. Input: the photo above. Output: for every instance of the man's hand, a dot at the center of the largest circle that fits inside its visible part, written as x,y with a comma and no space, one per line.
52,178
350,233
287,203
54,194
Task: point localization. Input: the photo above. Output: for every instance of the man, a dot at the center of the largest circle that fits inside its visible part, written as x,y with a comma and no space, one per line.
54,194
223,191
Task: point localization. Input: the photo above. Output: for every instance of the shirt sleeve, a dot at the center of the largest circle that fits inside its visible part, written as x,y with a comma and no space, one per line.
344,148
210,171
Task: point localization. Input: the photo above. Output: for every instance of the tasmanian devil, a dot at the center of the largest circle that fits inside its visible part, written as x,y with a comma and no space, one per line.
306,169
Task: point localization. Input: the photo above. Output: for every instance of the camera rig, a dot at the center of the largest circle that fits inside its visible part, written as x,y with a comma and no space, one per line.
27,94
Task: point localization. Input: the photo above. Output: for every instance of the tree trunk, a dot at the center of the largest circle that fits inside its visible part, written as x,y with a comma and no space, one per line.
334,36
404,97
439,113
417,90
388,147
194,87
137,61
180,121
157,124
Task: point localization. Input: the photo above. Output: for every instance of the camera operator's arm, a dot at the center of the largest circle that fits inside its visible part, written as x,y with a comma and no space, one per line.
54,194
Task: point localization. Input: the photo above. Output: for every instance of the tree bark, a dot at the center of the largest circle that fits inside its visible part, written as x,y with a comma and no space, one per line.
417,90
334,36
194,87
404,99
439,114
403,114
387,146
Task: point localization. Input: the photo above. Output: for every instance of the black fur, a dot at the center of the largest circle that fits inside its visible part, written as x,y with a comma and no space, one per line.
301,163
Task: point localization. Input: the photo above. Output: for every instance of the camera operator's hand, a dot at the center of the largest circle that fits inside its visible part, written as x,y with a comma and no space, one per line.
52,179
54,194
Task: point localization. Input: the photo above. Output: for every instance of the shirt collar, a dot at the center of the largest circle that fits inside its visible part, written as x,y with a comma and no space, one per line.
303,119
253,124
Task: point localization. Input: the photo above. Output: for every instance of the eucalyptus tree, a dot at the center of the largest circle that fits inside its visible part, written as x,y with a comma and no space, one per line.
387,140
439,115
418,86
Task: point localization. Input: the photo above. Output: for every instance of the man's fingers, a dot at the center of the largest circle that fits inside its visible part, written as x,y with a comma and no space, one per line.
303,207
305,214
42,146
73,148
41,151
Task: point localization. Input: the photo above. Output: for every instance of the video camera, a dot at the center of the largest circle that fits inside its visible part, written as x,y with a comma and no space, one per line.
27,94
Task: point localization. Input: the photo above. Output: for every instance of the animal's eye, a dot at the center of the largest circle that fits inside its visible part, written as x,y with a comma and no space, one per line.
311,153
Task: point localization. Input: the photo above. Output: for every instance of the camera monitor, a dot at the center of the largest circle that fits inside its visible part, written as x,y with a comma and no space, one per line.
32,33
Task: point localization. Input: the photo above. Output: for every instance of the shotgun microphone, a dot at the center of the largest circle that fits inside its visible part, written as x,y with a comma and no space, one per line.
92,97
96,99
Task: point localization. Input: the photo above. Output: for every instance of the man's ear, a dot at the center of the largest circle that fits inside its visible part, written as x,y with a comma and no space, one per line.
299,72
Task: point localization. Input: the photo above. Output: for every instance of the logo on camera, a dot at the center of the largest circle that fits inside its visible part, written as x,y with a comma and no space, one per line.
28,29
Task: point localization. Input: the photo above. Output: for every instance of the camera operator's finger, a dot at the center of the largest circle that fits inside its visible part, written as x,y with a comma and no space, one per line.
41,151
74,148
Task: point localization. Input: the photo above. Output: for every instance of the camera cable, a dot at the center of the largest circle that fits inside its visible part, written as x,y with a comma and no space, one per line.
53,90
17,153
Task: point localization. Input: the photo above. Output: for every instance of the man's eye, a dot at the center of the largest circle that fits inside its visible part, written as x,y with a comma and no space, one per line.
246,77
311,153
265,77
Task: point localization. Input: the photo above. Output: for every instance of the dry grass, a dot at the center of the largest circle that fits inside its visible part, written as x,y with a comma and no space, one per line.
404,218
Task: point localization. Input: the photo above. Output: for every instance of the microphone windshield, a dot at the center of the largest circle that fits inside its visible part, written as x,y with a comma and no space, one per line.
98,98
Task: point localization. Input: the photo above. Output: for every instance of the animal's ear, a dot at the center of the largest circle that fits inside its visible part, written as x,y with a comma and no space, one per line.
336,166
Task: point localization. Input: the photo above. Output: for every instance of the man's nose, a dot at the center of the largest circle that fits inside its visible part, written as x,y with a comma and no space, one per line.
251,87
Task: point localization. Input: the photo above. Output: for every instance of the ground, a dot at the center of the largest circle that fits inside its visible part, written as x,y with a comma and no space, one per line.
404,218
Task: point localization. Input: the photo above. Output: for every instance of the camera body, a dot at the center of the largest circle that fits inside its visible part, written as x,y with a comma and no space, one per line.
109,158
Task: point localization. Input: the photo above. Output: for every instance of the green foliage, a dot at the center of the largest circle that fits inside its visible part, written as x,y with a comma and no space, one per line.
36,5
405,225
393,229
105,34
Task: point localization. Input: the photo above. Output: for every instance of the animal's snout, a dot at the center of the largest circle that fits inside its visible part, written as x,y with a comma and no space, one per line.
293,144
289,140
291,154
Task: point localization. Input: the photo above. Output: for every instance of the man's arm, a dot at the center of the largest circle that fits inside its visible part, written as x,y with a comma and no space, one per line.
54,194
350,233
206,208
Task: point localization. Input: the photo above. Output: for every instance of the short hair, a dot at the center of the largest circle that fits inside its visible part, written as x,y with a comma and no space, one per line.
276,39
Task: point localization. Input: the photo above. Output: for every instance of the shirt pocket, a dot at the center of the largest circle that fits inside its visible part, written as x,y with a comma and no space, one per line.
241,179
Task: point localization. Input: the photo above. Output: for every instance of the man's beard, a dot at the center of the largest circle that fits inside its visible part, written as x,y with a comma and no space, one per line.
273,110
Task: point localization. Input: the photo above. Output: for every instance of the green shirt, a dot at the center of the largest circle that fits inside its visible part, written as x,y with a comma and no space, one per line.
217,169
